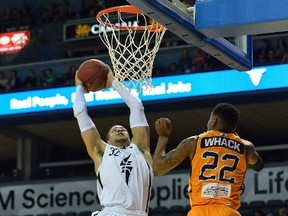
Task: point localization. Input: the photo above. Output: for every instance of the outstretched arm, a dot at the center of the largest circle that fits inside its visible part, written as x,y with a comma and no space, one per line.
137,119
94,144
164,162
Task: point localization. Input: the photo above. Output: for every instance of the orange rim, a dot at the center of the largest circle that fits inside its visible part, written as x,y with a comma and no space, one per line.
127,9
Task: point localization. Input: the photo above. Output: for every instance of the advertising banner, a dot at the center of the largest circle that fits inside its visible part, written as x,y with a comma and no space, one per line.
90,28
168,190
165,88
13,41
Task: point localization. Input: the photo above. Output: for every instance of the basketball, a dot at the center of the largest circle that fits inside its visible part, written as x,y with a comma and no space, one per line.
93,74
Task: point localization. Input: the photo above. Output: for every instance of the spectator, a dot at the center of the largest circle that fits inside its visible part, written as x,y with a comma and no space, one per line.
198,60
271,58
173,69
188,3
60,11
89,3
30,81
112,3
185,61
210,63
69,53
284,59
16,17
15,174
89,8
50,78
43,16
70,13
67,76
14,82
263,52
157,72
25,13
41,79
96,51
280,49
3,82
100,5
258,213
7,14
92,12
282,212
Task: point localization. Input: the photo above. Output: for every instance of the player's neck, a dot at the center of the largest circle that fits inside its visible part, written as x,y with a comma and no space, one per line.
121,144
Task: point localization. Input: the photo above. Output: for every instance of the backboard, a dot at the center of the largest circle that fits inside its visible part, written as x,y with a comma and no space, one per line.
236,52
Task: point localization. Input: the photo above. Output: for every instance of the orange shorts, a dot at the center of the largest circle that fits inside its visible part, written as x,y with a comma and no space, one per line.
213,210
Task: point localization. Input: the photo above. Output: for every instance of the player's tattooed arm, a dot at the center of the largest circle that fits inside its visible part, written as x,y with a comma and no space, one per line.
164,162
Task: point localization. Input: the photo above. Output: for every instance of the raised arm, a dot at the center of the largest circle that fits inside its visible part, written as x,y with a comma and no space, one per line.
254,159
164,162
94,144
137,119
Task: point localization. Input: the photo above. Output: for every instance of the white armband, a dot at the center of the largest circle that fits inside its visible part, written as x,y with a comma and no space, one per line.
137,115
80,110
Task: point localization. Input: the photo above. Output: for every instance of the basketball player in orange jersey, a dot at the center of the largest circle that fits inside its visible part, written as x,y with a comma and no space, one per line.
219,159
123,166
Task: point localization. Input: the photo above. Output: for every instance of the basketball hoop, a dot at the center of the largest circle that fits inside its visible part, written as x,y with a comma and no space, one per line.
132,40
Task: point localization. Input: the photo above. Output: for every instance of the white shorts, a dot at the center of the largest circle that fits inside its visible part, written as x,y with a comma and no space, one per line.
114,211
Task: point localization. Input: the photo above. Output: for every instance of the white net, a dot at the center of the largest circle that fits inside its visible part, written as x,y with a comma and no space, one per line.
132,43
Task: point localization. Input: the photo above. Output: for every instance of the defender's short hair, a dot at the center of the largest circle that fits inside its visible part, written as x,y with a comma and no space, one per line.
229,115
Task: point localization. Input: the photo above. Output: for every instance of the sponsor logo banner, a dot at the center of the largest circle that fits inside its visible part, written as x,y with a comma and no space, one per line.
167,190
165,88
13,41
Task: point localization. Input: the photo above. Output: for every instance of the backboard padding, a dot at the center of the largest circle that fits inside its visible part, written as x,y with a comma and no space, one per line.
182,25
225,18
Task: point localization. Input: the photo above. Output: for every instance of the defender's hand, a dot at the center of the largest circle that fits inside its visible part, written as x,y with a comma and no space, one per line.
163,127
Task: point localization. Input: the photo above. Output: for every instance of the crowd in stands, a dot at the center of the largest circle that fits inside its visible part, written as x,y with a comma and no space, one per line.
267,54
270,51
280,210
192,60
37,14
36,80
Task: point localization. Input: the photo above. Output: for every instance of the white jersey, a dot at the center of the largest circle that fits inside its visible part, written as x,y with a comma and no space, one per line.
124,179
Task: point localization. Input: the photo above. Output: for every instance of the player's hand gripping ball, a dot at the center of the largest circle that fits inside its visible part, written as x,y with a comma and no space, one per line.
93,74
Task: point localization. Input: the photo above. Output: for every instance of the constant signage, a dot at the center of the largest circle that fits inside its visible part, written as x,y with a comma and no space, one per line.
88,29
168,190
13,41
165,88
77,31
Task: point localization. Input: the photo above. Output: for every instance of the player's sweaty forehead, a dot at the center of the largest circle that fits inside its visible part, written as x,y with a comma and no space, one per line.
117,127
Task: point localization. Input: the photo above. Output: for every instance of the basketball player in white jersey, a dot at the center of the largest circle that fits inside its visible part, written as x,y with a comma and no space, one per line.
122,165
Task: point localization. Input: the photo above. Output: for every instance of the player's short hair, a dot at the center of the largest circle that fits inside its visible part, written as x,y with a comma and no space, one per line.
109,131
228,114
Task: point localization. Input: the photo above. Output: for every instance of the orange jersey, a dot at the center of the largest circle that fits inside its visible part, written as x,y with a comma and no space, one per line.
218,170
213,210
